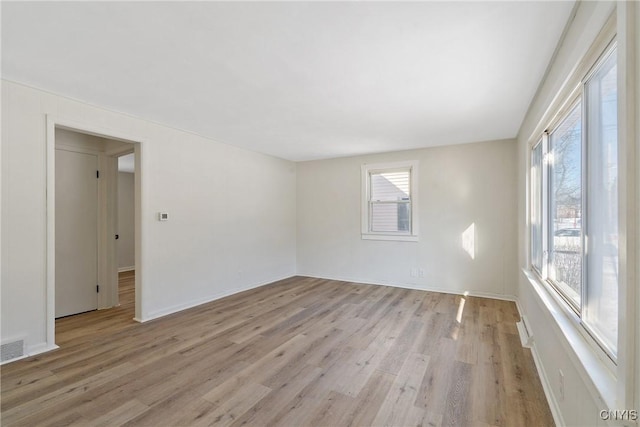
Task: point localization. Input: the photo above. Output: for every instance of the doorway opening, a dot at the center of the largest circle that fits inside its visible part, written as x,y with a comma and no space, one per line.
93,225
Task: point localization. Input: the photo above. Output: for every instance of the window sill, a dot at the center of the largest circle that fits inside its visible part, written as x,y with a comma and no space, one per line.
594,369
392,237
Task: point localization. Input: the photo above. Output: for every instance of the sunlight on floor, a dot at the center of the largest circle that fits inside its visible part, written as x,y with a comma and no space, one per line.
460,310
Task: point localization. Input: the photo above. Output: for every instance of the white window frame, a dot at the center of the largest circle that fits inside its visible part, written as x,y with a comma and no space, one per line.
542,143
367,169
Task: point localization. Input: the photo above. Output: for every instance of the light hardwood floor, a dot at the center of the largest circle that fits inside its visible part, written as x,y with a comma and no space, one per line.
300,351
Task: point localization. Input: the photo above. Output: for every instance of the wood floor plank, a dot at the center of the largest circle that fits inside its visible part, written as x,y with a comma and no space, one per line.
232,407
66,392
120,415
406,340
436,380
330,410
300,351
53,420
296,413
489,395
358,368
368,402
276,359
319,343
437,326
458,404
269,407
400,399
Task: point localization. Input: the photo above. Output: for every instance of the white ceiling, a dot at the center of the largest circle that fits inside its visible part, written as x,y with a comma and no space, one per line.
296,80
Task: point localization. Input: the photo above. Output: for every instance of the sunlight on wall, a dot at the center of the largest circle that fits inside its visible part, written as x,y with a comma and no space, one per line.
469,240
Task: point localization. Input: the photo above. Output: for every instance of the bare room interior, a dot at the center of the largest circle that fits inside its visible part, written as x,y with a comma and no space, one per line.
320,213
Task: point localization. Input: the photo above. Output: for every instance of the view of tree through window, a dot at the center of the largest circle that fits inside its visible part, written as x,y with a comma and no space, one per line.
565,255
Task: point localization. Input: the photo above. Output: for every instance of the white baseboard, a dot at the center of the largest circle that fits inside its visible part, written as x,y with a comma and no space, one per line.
526,339
123,269
544,378
41,348
194,303
33,350
546,386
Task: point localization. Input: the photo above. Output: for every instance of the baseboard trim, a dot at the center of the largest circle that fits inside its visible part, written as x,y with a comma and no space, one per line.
546,386
524,330
41,348
124,269
194,303
33,350
542,374
479,294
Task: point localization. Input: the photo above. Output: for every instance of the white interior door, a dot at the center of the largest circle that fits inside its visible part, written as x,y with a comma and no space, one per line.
76,232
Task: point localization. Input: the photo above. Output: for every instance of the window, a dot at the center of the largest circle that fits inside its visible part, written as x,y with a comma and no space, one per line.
574,205
389,201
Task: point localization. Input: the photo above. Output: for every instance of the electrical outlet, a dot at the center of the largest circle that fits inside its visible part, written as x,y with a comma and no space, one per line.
561,385
413,272
421,272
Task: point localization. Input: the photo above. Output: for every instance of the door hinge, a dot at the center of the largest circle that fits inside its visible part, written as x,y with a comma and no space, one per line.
97,288
97,174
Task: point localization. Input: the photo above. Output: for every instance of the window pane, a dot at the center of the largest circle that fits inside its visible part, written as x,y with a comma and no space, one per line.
390,186
536,207
392,217
390,201
565,210
404,217
601,307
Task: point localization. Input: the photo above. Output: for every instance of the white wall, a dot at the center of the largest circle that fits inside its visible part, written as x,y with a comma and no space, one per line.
126,223
458,186
232,213
582,398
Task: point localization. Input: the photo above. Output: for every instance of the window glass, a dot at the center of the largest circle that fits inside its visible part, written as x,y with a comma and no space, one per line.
390,209
565,206
601,308
536,207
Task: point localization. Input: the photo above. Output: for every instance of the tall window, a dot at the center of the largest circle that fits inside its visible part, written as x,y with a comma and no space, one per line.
574,205
389,201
